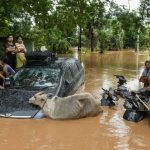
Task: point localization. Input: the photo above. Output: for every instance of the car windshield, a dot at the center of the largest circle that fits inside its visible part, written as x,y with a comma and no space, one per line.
37,77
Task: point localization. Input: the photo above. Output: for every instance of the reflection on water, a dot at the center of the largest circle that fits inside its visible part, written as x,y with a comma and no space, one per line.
107,131
119,129
102,68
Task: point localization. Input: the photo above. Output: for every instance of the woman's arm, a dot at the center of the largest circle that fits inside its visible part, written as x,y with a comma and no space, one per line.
10,49
2,77
143,79
21,48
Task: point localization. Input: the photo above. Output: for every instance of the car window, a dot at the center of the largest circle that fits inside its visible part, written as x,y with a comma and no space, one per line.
34,77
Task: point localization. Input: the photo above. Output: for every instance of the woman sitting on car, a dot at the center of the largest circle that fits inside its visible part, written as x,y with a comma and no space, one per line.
8,71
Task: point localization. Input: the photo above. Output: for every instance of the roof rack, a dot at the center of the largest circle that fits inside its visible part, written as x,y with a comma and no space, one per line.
40,58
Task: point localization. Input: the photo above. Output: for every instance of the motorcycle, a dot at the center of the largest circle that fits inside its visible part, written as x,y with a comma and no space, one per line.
109,97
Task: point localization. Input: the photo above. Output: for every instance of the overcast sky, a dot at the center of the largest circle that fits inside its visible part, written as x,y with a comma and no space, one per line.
134,4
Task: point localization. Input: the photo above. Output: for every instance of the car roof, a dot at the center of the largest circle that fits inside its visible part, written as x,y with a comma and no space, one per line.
48,59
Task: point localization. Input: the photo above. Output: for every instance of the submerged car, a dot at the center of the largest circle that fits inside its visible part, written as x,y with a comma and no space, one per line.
43,72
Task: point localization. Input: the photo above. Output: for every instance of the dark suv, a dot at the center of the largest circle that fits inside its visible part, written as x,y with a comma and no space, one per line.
43,72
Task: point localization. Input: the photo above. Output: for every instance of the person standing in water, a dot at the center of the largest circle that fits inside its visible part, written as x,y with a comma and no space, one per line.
145,77
11,52
21,50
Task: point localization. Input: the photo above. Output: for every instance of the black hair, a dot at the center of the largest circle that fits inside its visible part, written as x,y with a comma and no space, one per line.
4,59
147,61
19,37
9,35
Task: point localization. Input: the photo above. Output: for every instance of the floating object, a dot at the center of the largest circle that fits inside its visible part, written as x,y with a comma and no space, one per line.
134,115
121,79
136,108
137,104
121,88
109,98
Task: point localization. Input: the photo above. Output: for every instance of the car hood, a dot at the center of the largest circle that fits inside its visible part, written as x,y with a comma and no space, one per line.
15,103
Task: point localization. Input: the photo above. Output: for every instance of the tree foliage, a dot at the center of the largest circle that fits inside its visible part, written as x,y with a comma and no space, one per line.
60,24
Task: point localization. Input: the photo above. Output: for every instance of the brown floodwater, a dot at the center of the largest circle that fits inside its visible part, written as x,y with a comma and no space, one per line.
108,131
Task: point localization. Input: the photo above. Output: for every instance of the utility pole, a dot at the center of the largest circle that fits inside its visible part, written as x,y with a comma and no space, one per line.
79,39
138,41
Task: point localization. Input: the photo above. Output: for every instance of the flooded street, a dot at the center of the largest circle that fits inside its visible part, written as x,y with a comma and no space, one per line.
108,131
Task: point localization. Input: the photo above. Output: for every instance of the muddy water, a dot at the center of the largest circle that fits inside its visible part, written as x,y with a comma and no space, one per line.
107,131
